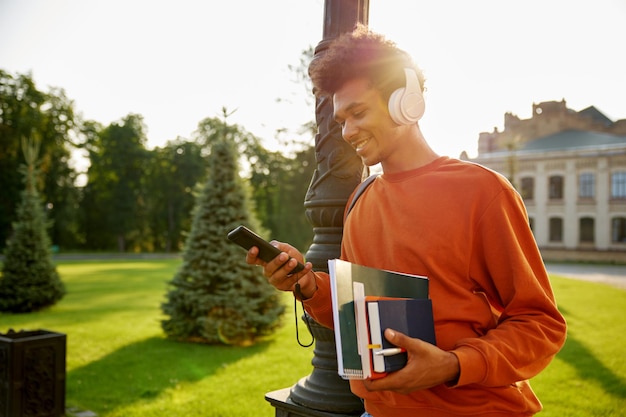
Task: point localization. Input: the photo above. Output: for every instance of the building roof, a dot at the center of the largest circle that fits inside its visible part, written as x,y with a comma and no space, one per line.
595,114
573,139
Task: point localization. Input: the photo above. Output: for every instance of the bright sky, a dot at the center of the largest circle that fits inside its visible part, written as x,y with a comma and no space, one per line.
178,62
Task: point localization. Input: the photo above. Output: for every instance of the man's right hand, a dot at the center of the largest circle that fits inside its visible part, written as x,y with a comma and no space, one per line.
277,270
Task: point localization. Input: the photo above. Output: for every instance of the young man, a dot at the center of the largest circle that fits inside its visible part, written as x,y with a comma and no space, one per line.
460,224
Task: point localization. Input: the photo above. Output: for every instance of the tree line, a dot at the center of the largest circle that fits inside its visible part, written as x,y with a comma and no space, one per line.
134,199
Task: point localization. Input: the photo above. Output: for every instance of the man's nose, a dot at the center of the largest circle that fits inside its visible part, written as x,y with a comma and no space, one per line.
348,130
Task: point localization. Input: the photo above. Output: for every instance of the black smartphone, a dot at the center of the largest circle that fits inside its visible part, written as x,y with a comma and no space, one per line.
246,238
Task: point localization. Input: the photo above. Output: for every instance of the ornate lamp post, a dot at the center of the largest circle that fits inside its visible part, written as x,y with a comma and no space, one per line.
339,170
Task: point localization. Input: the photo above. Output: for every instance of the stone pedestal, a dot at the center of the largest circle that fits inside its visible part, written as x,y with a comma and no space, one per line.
32,374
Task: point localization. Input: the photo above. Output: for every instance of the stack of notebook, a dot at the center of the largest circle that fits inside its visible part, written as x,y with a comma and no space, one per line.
366,301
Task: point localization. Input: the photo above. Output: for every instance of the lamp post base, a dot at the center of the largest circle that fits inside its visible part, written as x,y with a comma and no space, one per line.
286,408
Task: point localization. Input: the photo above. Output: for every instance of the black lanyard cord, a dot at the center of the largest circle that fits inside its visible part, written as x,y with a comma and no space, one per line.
295,313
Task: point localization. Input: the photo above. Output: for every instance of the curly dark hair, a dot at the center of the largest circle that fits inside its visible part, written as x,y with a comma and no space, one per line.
362,53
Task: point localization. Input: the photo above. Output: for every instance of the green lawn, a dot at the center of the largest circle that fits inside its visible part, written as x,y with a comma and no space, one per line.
120,364
588,377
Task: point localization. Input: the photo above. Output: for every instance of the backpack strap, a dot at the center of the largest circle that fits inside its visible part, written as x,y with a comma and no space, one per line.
360,189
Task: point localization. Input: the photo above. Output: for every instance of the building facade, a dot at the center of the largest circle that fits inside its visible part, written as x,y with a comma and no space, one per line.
570,168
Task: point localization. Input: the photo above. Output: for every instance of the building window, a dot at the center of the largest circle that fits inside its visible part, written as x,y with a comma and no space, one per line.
618,229
556,187
618,185
556,229
528,188
587,230
586,185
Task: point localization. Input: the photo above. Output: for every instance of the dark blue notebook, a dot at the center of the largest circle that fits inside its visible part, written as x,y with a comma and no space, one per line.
413,317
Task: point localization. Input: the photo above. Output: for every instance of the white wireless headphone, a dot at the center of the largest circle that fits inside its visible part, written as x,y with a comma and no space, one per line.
406,104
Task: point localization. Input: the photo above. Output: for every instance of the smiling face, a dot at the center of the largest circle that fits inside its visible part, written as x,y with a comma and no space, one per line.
366,124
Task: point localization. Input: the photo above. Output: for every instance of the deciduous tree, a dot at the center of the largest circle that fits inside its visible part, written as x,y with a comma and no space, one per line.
172,175
26,111
114,201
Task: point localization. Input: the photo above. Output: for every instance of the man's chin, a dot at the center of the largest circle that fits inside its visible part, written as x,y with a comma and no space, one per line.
369,162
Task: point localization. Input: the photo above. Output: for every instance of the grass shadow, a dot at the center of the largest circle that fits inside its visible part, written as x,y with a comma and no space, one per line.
590,369
145,369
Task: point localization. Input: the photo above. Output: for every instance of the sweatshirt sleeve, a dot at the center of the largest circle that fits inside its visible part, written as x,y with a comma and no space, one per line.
507,267
319,306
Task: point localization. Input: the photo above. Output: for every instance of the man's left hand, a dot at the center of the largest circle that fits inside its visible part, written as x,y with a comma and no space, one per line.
427,366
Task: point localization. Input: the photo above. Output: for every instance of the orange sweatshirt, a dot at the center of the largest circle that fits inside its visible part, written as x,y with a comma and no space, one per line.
465,228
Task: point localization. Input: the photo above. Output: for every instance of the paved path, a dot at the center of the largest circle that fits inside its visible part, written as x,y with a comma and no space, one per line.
614,275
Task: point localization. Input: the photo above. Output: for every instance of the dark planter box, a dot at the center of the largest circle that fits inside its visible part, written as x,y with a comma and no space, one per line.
32,374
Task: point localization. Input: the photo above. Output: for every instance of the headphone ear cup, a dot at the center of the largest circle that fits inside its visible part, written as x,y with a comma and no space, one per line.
395,107
406,105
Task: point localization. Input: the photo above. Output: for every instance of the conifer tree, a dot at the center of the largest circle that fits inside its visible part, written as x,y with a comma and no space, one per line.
29,280
215,297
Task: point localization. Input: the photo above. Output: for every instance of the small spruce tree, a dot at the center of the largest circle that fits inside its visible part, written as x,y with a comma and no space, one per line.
216,297
29,280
